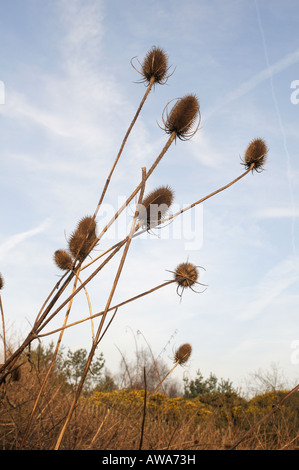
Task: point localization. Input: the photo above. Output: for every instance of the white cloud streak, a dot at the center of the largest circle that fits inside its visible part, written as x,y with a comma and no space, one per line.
277,213
274,283
19,238
266,74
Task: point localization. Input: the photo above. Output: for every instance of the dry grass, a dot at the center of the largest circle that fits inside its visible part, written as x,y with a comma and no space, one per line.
113,421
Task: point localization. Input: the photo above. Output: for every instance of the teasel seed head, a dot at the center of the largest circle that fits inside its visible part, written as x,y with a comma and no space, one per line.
182,117
155,206
186,274
1,282
155,65
83,238
183,353
154,68
256,154
63,260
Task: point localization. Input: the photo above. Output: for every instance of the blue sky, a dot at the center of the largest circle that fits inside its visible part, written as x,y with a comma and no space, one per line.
70,93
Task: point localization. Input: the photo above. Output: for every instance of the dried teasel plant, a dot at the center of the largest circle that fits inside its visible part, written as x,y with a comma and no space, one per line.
183,353
154,68
63,260
83,239
186,275
182,118
180,122
181,356
255,155
155,206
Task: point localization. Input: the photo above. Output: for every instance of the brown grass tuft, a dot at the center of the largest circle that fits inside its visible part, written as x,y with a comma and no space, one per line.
182,117
183,353
84,237
256,154
155,206
63,260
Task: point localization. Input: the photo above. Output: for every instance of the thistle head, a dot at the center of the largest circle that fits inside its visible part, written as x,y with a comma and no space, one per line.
1,282
183,353
63,260
83,238
183,117
155,206
255,155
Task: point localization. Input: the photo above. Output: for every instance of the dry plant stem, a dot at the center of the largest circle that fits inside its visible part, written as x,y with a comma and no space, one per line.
149,87
144,410
168,373
3,329
101,255
48,298
111,308
109,323
153,358
95,343
289,443
99,428
89,306
33,333
209,195
148,174
118,247
265,417
49,371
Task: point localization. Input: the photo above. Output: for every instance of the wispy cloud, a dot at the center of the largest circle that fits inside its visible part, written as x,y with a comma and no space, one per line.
274,283
265,74
79,100
277,213
18,238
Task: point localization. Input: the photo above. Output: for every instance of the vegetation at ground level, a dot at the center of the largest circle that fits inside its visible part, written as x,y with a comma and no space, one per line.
209,414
